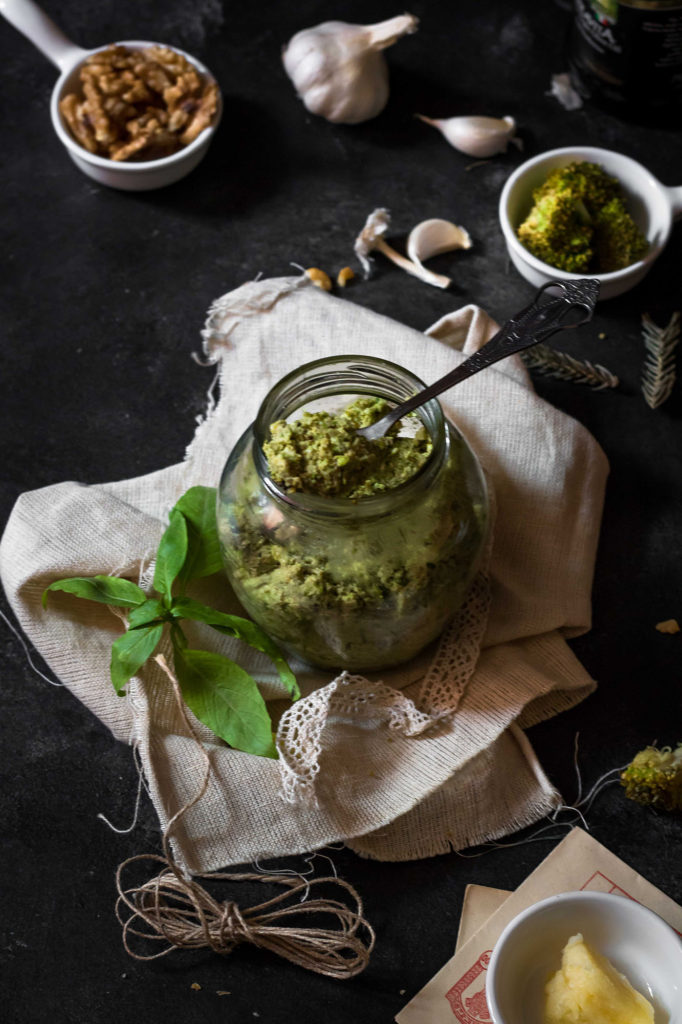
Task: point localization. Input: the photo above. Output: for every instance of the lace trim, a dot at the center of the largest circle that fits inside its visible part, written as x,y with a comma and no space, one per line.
355,698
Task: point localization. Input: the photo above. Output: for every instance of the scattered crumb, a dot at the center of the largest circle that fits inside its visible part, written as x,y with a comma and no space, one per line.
562,89
402,992
124,975
601,335
223,992
195,986
319,278
344,276
669,626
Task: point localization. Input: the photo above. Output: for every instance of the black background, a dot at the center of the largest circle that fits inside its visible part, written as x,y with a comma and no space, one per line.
104,294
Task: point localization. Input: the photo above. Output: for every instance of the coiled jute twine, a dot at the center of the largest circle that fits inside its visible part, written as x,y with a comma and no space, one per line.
176,910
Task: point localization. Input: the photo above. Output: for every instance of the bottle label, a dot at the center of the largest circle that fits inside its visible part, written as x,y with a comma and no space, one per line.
628,51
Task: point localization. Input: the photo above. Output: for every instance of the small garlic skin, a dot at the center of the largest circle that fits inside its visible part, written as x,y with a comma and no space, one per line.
338,69
476,136
375,228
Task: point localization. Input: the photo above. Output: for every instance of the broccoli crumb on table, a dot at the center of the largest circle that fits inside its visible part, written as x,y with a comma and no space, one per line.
654,776
579,222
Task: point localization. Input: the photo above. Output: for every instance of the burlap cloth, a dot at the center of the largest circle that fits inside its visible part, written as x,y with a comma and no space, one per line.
390,793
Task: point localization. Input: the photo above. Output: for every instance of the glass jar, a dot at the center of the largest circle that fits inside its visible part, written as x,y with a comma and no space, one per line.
352,583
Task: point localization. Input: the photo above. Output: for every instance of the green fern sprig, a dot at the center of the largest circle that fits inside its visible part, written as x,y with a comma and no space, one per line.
659,370
559,364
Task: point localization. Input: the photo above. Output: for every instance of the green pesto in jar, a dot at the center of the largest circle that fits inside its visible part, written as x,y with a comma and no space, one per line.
360,592
321,453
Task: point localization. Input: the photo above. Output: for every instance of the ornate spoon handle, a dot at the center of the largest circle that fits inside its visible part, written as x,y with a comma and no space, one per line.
535,323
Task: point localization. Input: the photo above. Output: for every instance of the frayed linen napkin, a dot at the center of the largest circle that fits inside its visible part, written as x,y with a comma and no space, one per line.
361,761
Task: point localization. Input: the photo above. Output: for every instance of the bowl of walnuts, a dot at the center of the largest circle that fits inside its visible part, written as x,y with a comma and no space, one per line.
132,115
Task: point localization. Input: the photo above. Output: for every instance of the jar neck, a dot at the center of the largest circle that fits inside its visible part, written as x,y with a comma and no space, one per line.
349,376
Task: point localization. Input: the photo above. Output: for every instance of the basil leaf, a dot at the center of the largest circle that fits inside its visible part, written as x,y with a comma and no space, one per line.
152,610
130,652
198,506
226,699
105,589
171,553
243,629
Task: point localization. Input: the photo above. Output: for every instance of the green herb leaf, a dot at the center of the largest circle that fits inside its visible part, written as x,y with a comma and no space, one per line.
171,553
105,589
153,610
198,506
226,699
242,629
130,652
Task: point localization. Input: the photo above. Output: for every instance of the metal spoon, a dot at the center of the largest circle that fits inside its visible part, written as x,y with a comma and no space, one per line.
533,324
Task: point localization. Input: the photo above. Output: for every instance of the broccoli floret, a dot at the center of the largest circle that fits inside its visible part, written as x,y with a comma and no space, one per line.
579,222
586,183
654,776
618,242
555,232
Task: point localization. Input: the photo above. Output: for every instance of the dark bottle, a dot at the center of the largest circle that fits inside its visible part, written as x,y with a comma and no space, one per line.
626,56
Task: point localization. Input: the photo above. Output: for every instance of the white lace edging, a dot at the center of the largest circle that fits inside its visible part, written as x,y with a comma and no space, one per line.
354,698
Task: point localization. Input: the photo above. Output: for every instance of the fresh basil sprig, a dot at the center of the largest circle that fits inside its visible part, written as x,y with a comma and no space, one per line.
220,693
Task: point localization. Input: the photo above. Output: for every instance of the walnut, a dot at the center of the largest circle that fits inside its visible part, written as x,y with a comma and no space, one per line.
138,104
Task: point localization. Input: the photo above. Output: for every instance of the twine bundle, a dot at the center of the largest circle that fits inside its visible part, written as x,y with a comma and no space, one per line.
178,911
185,915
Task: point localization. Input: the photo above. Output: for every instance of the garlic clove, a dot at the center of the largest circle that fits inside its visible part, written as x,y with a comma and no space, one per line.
435,236
476,136
371,238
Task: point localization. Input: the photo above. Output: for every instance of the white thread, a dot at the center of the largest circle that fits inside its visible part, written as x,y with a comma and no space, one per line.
138,799
603,782
52,682
256,865
577,767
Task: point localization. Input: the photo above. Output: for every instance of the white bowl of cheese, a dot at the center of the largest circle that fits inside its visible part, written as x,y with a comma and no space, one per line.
586,958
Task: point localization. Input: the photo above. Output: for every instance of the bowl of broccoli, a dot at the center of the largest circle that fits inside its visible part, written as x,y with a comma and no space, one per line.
582,211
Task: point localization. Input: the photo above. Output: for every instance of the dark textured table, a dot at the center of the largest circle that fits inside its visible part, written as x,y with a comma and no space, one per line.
103,297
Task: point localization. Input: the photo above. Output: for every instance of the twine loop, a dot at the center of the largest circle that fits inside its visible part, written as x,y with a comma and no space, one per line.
233,928
176,910
183,914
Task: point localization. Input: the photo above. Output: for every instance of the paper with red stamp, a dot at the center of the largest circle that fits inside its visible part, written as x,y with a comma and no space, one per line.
456,994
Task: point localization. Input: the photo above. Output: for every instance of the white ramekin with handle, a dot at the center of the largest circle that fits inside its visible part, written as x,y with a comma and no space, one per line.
653,207
137,176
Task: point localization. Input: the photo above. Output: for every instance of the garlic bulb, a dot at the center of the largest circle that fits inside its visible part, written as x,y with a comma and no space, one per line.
338,69
477,136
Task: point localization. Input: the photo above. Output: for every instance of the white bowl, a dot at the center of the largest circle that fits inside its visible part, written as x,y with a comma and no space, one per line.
130,176
636,941
653,207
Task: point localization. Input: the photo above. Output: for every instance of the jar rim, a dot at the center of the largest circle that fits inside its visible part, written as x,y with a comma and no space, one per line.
350,368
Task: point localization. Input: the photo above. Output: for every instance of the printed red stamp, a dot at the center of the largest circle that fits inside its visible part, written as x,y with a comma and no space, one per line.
467,996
